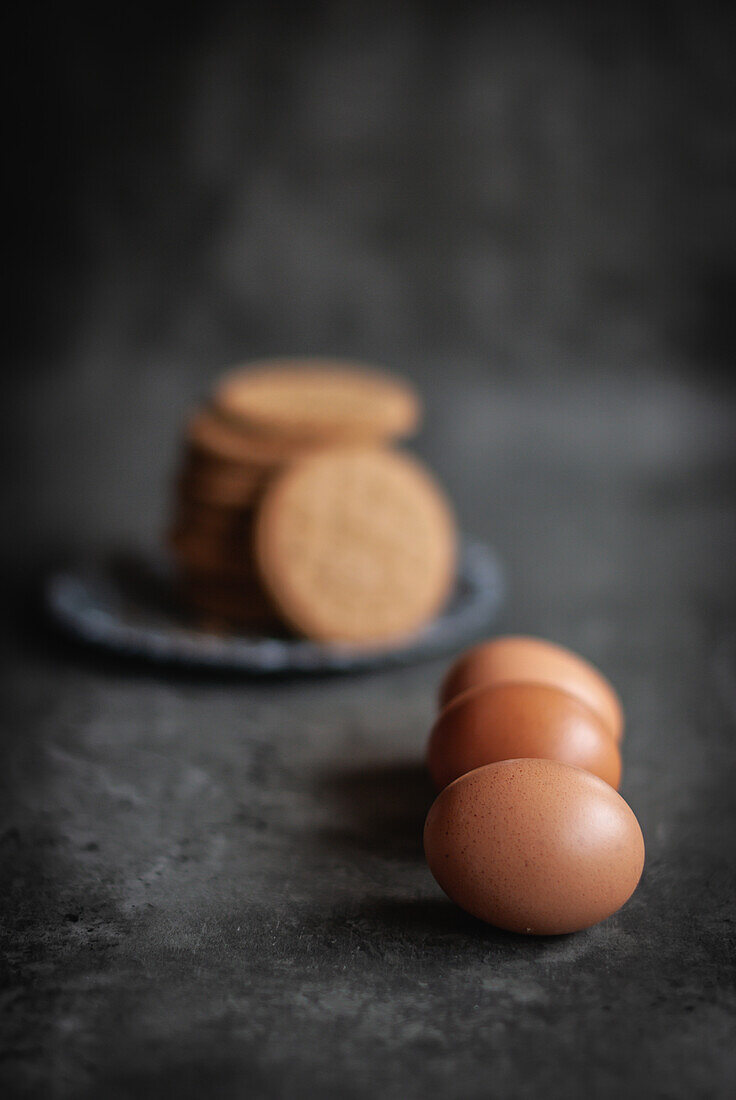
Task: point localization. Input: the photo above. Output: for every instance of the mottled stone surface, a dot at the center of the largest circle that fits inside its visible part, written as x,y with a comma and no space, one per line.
215,886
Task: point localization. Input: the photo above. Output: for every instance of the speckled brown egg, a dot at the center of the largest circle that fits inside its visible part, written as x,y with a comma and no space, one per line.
507,720
534,846
520,658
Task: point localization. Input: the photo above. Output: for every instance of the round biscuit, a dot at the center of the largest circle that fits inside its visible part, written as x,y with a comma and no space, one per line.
318,401
356,545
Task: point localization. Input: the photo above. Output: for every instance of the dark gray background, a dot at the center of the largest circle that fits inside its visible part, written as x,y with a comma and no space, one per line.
215,886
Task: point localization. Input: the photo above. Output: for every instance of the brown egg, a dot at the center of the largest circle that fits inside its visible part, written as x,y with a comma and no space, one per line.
534,846
519,658
503,721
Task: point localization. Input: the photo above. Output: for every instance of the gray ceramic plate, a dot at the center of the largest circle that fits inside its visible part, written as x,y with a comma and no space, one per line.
127,605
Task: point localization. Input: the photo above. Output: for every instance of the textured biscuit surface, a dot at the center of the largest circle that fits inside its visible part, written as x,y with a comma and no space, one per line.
356,545
317,400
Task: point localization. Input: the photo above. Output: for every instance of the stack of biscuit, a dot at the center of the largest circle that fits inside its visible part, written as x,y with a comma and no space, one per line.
293,511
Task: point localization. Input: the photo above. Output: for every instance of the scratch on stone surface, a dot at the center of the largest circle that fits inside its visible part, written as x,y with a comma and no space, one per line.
170,864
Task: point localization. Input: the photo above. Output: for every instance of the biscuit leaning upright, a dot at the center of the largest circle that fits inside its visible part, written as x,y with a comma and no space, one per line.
356,545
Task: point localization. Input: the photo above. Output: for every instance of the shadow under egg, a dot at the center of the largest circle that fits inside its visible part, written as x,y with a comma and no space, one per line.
378,808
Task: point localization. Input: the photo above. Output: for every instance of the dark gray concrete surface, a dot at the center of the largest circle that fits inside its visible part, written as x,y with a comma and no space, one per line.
214,887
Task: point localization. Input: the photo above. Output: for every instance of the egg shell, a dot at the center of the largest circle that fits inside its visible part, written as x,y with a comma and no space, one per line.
520,658
503,721
534,846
